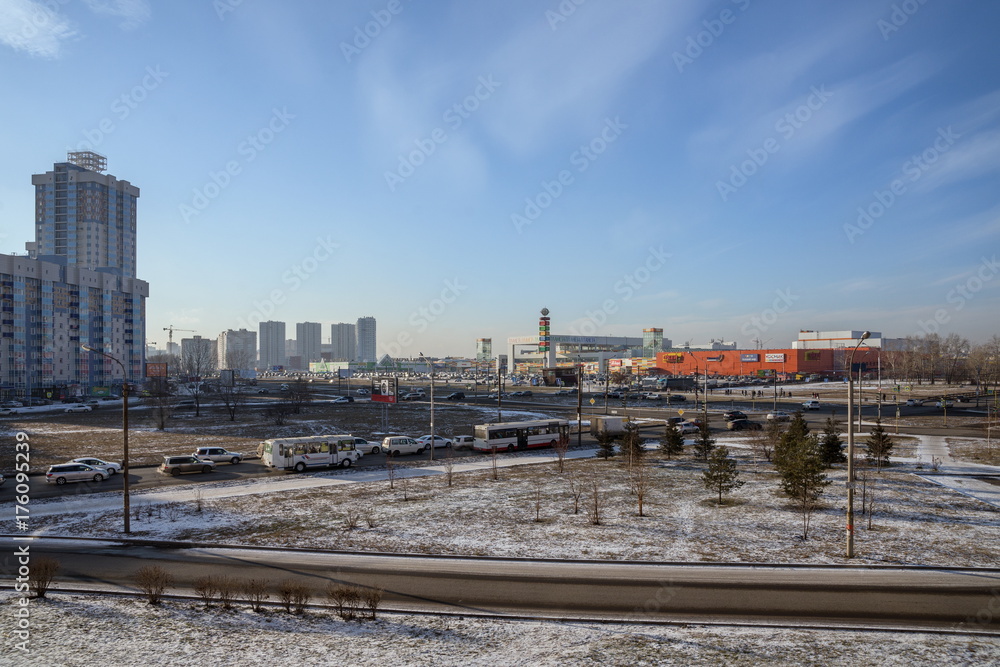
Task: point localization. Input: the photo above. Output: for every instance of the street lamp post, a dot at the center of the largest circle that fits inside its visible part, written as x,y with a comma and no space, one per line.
432,402
128,528
850,447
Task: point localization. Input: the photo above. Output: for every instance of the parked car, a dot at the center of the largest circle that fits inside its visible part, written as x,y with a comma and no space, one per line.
396,445
456,396
79,407
175,465
11,404
108,466
462,442
743,425
218,454
366,447
7,412
438,441
778,416
730,415
677,398
74,472
811,404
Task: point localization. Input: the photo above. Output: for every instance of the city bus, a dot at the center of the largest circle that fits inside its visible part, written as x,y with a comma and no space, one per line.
511,436
314,451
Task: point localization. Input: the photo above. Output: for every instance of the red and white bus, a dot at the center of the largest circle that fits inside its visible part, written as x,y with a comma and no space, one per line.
512,436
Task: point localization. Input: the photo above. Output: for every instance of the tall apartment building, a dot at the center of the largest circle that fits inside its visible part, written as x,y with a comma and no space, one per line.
198,355
308,341
76,286
272,345
237,350
366,339
343,342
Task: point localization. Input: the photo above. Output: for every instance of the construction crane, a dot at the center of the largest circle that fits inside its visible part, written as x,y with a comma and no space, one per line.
170,335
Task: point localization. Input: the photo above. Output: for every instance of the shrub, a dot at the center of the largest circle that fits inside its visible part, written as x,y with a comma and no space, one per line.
41,573
152,580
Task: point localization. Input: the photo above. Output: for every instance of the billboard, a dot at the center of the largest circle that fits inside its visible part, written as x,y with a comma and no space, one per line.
749,357
156,370
384,389
775,358
673,357
559,377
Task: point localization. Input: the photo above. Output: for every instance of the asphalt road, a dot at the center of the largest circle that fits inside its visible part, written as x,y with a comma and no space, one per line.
624,591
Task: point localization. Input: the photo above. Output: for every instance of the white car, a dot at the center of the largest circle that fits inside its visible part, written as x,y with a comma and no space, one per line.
439,441
913,402
362,392
78,408
649,396
366,447
217,454
111,468
687,428
778,416
395,445
944,404
811,405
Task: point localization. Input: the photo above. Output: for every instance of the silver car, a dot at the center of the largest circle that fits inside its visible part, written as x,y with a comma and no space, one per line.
218,454
74,472
108,466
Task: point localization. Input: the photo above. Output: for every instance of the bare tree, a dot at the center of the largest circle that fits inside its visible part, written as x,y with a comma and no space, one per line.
561,448
596,511
299,395
449,465
226,588
390,470
576,489
764,441
538,485
639,483
204,588
198,361
494,463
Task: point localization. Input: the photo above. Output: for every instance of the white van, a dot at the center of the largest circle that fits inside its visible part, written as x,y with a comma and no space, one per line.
462,442
395,445
811,405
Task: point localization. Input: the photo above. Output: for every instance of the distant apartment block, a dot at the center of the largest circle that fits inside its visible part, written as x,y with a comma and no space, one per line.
343,342
308,341
237,350
366,339
272,345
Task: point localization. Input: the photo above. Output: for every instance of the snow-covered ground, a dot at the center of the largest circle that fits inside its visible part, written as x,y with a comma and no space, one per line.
86,630
478,514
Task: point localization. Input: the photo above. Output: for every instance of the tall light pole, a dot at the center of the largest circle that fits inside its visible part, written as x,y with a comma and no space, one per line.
432,402
128,528
850,446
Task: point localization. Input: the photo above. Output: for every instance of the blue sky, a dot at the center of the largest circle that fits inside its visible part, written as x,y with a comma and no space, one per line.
735,169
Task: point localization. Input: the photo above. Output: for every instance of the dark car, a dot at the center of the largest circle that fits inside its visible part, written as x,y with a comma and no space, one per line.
456,396
733,414
743,425
677,398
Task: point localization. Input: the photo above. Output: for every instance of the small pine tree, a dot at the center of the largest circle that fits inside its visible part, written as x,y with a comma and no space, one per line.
831,446
721,475
606,445
704,443
879,445
673,440
802,476
796,431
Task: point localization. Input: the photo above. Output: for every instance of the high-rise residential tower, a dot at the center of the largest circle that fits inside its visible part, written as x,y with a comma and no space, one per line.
343,342
272,345
308,341
366,339
76,287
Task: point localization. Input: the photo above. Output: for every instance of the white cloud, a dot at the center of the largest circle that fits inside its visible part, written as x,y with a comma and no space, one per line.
33,27
132,12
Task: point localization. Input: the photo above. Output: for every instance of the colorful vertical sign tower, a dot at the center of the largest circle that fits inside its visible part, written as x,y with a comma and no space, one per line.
545,340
